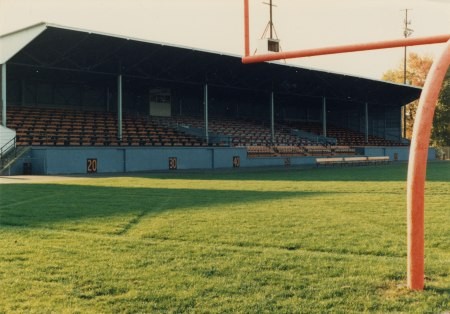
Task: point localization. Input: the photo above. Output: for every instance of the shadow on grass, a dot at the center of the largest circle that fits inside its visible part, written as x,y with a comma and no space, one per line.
438,290
37,204
438,171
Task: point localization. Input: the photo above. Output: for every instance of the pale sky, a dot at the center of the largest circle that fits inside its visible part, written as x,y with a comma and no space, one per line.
217,25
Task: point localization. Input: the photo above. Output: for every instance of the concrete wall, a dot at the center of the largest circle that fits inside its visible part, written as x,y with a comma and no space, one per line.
74,160
6,135
400,153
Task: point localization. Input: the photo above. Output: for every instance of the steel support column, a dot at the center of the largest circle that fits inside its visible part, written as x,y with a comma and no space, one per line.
108,99
272,116
205,102
324,116
366,122
119,106
3,94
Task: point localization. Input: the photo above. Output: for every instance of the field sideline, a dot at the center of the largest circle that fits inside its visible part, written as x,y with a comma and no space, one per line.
295,241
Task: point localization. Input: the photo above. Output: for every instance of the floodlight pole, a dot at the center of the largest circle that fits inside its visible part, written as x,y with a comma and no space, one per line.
271,23
420,139
246,28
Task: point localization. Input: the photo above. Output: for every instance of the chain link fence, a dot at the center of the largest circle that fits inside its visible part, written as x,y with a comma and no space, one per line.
443,153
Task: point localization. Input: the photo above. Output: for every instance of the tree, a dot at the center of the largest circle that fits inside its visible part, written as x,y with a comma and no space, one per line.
440,135
417,68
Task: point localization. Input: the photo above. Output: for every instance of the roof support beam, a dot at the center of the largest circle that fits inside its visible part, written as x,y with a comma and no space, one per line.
64,55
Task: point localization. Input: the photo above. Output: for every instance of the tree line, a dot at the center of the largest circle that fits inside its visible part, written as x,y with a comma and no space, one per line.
417,68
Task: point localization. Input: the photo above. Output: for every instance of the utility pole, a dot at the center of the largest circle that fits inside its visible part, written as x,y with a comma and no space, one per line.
273,44
406,33
270,18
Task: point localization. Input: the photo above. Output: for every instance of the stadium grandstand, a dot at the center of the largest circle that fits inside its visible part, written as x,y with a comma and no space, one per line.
77,101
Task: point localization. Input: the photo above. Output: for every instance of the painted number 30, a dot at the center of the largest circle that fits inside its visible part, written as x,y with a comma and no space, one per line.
173,163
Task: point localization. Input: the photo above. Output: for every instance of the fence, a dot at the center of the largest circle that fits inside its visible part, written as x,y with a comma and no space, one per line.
443,153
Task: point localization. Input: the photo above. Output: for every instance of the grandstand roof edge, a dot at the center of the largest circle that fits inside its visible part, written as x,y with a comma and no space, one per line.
346,74
291,74
138,39
23,29
59,26
46,25
14,41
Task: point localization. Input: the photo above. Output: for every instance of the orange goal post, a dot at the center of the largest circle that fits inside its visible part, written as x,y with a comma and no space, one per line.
421,132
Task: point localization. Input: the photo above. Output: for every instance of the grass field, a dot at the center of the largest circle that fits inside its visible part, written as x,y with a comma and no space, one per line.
295,241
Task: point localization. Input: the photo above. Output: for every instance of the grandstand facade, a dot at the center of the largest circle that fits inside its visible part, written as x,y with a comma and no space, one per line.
79,101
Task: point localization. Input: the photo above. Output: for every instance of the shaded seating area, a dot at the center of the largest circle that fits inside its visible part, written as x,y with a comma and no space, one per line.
344,136
243,132
63,127
317,150
343,150
66,127
299,151
289,151
260,151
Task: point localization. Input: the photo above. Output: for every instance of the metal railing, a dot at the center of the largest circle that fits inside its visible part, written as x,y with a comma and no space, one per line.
213,138
5,149
320,139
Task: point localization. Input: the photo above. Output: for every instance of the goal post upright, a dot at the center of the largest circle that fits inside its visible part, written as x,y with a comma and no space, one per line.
417,167
421,132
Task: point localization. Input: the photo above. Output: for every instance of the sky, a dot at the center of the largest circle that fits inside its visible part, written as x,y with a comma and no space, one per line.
217,25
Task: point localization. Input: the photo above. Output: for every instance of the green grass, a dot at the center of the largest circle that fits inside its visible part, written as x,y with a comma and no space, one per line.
296,241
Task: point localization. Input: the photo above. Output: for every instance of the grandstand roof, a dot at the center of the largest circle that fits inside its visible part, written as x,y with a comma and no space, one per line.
49,47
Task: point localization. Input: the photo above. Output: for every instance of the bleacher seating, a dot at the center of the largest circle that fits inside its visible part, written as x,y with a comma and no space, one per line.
260,151
56,127
289,151
342,150
64,127
317,150
345,137
244,132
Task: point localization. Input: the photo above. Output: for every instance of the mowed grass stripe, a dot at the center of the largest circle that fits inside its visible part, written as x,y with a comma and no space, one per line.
313,241
244,276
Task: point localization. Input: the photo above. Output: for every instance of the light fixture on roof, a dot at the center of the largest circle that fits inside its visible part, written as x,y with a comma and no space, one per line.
270,43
